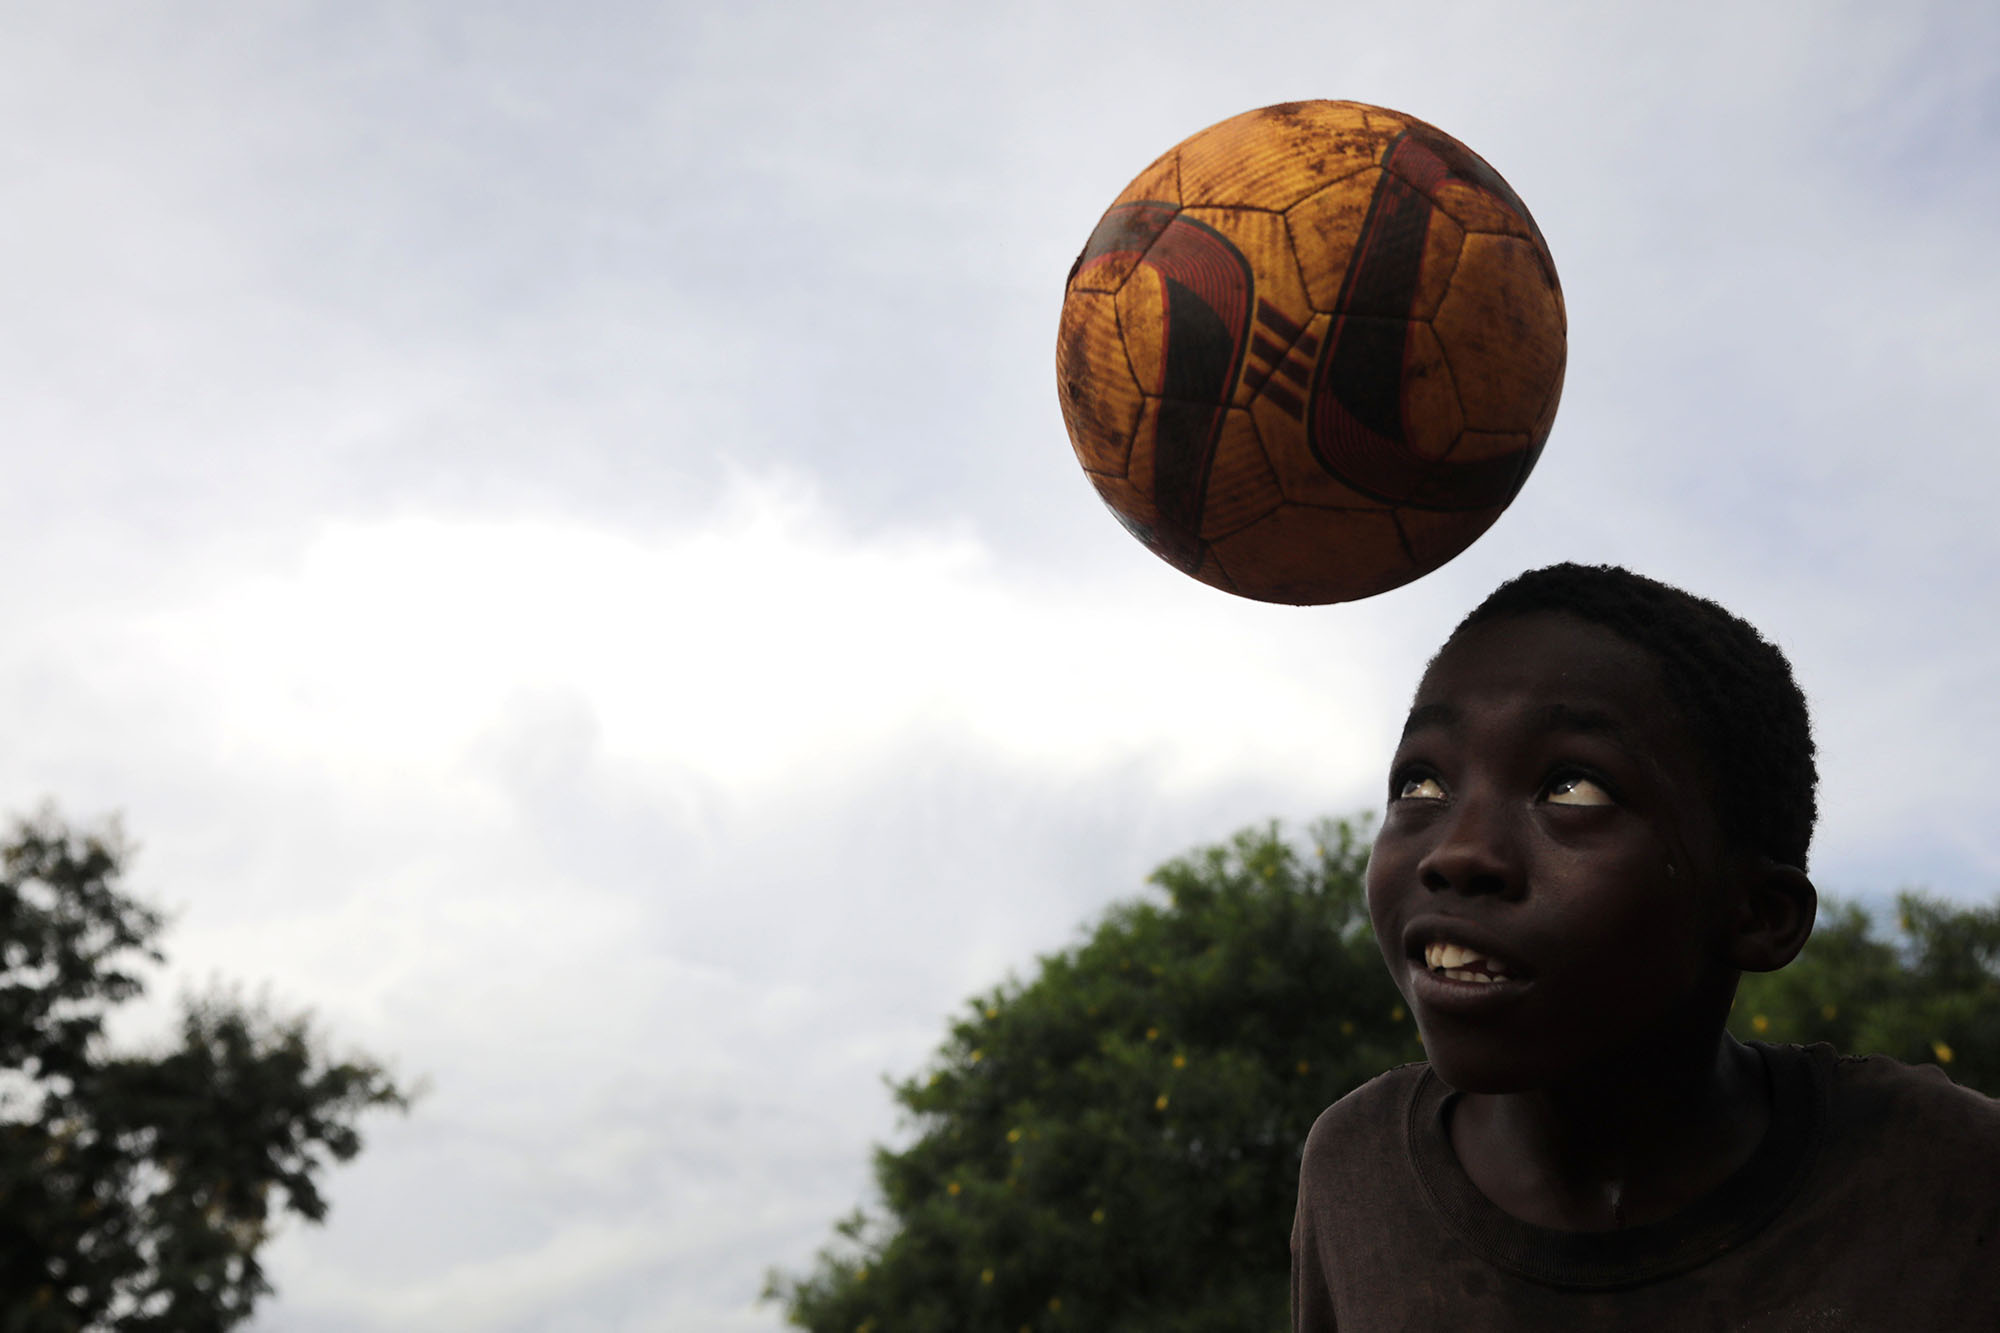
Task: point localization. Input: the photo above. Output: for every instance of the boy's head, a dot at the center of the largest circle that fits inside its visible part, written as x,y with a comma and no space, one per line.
1598,817
1733,690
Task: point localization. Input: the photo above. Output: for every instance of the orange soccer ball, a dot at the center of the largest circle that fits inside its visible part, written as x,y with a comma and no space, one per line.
1312,352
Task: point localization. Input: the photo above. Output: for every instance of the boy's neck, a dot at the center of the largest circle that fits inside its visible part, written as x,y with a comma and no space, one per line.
1630,1143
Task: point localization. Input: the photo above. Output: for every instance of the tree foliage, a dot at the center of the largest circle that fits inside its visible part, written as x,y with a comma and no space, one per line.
1929,993
137,1188
1113,1145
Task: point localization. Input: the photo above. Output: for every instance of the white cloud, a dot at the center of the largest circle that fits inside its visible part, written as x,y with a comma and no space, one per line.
763,649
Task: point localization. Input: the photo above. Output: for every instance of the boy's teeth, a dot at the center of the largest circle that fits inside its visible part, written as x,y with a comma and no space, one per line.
1457,962
1442,956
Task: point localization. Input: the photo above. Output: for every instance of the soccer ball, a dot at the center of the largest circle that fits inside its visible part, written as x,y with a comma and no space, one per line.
1312,352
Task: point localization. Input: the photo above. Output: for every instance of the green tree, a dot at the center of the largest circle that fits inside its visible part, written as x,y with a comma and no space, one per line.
1927,994
136,1189
1114,1145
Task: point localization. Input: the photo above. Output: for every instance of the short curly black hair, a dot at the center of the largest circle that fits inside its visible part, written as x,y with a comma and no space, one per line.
1736,689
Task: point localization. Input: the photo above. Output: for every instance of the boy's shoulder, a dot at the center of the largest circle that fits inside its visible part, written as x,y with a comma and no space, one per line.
1902,1206
1360,1147
1371,1114
1896,1085
1905,1121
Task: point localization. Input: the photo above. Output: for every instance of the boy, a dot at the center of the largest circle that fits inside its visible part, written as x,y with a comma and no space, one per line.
1598,818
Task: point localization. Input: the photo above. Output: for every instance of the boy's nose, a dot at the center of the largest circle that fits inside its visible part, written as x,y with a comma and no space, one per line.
1475,853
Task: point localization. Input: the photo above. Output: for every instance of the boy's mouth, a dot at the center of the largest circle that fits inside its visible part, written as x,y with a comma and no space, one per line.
1462,964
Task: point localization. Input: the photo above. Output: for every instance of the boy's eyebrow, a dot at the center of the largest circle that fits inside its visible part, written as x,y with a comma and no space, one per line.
1430,715
1589,721
1550,717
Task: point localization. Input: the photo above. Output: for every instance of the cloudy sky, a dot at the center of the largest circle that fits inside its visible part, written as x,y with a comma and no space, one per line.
552,526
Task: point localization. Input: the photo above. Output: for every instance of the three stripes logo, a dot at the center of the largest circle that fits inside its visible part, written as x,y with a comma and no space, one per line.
1282,355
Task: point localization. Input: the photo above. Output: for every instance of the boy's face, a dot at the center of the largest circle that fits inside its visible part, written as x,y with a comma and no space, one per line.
1549,884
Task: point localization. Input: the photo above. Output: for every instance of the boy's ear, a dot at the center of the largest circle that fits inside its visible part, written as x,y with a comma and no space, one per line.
1776,907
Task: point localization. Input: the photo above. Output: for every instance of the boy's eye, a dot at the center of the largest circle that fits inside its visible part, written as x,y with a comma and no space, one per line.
1420,789
1576,790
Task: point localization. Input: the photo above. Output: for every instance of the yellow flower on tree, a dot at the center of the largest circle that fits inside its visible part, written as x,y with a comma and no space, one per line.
986,1276
1761,1023
1160,1102
1180,1061
1942,1052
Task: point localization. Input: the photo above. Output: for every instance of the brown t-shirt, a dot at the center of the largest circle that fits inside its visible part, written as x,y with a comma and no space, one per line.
1872,1204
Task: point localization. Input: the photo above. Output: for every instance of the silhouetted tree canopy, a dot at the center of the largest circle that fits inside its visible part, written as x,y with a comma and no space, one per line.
137,1188
1113,1144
